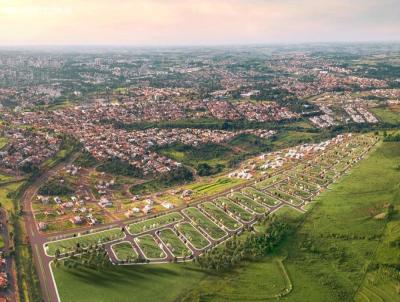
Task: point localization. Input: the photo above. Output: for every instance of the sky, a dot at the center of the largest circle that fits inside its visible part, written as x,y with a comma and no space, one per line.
196,22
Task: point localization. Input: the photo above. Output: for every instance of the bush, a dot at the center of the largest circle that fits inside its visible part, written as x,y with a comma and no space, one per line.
120,167
55,187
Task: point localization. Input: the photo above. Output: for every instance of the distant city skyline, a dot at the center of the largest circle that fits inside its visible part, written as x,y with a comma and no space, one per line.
201,22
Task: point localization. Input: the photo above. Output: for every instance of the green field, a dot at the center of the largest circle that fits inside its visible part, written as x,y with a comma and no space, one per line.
386,115
214,186
124,251
197,239
199,219
235,209
217,154
212,154
154,223
3,142
84,241
150,247
175,245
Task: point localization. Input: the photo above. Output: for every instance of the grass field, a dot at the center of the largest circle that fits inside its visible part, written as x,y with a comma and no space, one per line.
141,283
150,247
213,186
197,239
3,142
386,115
199,219
68,245
124,251
175,245
235,209
153,223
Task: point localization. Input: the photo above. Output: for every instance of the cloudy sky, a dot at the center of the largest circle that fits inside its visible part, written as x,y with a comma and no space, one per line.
196,22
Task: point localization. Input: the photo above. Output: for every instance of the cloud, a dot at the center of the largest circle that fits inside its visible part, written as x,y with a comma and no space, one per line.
169,22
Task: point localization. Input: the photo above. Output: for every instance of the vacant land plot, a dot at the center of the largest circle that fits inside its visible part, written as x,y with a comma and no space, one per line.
199,219
234,209
220,216
144,283
285,196
269,181
386,115
214,186
124,251
256,281
150,247
196,238
154,223
293,190
311,179
305,186
260,197
249,203
175,245
84,241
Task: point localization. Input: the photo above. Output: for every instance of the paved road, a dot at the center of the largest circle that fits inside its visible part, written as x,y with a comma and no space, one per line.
36,239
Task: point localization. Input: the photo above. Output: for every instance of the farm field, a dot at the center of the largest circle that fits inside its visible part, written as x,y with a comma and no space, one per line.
197,239
175,245
150,247
153,223
124,251
84,241
199,219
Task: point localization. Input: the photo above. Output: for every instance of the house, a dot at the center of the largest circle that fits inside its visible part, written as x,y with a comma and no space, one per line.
76,220
147,209
42,226
167,205
68,205
3,280
186,193
105,203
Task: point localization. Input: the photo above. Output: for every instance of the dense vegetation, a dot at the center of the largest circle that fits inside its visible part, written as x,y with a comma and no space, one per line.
120,167
54,187
252,246
86,160
179,175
